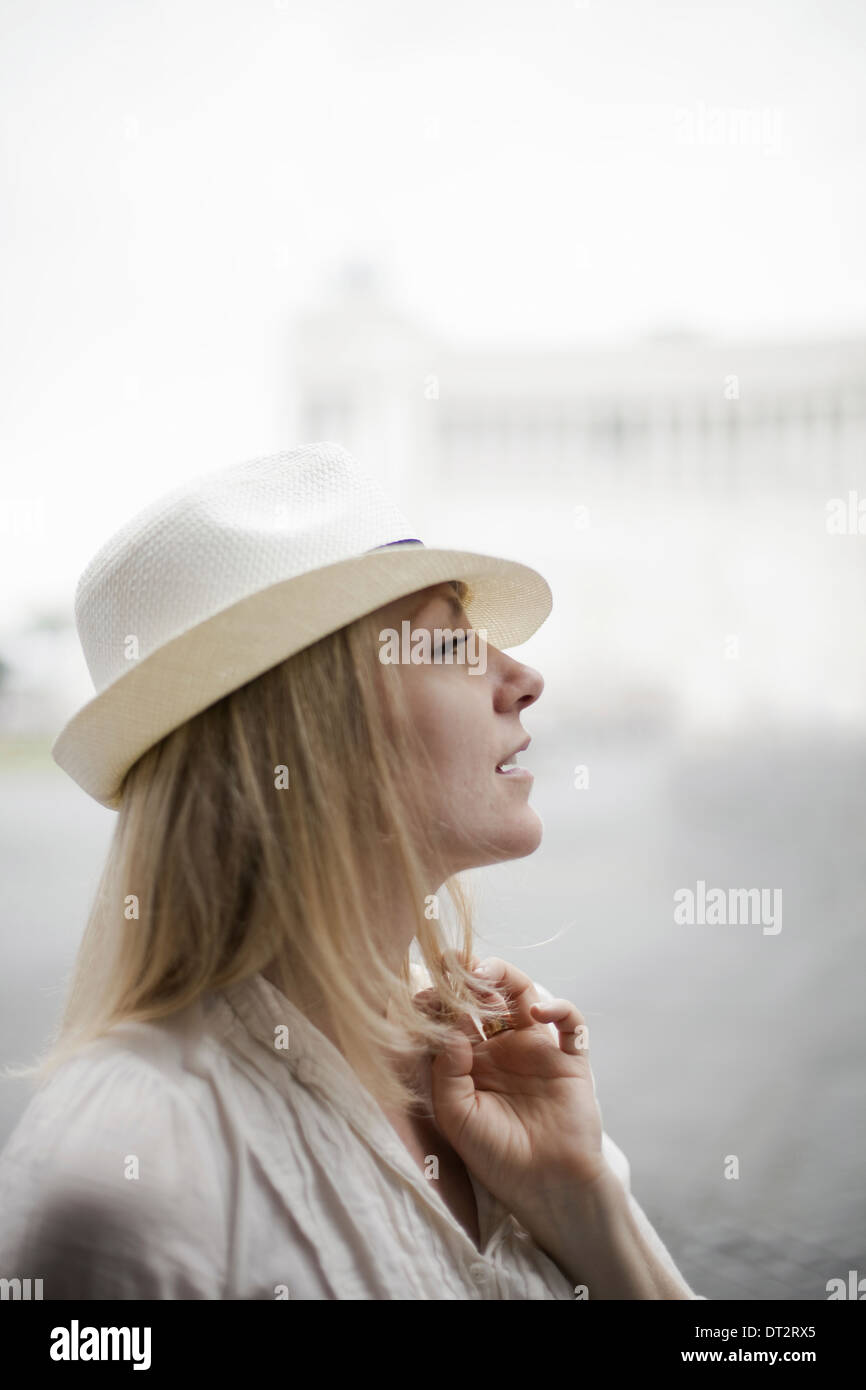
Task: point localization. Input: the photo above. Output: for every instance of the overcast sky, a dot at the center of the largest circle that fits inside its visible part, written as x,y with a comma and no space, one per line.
178,178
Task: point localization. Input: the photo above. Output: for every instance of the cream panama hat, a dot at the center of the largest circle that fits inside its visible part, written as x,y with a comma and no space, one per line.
231,573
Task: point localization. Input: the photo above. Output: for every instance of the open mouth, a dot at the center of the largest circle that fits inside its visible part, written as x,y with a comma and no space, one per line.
510,769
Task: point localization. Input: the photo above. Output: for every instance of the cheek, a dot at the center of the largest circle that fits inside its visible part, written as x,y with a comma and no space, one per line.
450,719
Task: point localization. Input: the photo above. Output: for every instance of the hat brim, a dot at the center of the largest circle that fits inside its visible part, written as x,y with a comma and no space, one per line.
193,670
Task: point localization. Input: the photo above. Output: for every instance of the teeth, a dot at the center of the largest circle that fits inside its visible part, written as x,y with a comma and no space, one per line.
501,767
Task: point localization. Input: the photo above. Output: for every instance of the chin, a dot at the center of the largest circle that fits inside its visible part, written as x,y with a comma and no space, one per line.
519,841
529,838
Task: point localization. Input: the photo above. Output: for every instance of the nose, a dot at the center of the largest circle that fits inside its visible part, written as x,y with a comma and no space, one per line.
519,685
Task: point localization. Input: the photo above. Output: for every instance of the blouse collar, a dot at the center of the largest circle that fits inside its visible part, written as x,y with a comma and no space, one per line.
296,1048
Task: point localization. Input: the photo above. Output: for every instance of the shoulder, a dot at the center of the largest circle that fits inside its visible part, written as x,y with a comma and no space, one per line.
133,1084
111,1183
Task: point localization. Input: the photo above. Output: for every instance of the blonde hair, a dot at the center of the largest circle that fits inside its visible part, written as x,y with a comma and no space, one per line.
235,873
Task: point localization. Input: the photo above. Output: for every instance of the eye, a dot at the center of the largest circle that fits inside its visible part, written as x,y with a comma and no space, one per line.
449,643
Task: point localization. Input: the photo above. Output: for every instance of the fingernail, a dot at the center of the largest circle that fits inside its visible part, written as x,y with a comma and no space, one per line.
483,969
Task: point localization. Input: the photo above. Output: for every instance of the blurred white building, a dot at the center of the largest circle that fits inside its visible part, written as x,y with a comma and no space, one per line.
678,414
673,491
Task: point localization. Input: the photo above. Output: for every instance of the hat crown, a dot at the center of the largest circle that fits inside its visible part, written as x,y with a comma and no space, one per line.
220,537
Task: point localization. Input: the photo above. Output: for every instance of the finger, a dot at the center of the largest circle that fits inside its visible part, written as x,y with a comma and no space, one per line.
429,1001
514,983
469,1022
569,1022
481,986
452,1090
561,1012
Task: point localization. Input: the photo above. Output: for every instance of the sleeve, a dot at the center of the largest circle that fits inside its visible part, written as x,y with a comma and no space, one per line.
621,1166
108,1189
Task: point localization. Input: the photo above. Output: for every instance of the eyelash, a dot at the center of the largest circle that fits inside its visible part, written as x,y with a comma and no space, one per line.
440,651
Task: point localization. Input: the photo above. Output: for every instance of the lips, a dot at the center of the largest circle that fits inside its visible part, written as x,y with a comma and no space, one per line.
507,766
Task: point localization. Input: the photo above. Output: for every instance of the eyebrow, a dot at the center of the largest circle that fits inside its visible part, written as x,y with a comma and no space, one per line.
454,604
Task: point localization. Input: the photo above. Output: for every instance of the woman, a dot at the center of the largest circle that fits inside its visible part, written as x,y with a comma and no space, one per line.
255,1091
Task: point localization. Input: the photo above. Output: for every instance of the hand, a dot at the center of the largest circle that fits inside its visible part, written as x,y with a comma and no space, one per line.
517,1108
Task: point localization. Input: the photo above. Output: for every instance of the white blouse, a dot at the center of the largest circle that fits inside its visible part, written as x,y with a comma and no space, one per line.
192,1158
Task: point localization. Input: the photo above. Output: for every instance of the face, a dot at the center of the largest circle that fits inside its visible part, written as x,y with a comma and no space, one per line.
470,722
